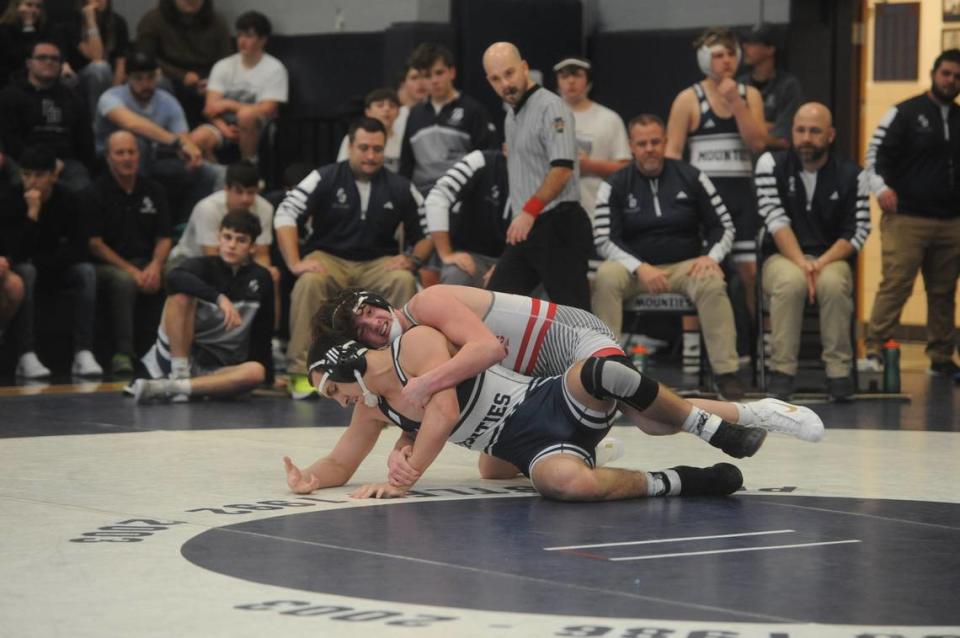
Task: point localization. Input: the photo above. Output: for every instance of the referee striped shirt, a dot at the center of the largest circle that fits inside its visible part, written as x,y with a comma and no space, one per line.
540,134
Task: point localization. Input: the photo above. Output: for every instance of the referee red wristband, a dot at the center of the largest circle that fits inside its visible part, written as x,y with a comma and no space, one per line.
534,206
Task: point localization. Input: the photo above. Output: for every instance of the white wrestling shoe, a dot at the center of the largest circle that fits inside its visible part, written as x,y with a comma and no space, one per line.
775,415
159,390
608,450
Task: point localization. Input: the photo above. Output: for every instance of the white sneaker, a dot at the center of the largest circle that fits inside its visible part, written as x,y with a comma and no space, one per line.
29,367
775,415
159,390
608,450
85,365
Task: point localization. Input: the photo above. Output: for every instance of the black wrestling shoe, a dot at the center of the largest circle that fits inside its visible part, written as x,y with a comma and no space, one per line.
738,441
720,480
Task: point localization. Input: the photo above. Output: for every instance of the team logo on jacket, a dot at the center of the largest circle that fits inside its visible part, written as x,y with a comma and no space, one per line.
632,202
388,206
495,193
792,185
147,206
341,195
254,286
558,124
52,114
924,122
457,115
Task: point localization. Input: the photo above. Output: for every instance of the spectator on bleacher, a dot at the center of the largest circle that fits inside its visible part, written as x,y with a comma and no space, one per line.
244,92
129,230
815,206
40,226
11,285
662,227
467,216
167,153
723,122
22,24
445,127
214,339
602,147
412,88
40,110
355,208
781,91
382,105
187,37
549,237
96,39
912,164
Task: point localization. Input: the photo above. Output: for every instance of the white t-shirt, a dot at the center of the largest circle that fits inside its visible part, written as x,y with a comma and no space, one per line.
265,81
602,135
203,227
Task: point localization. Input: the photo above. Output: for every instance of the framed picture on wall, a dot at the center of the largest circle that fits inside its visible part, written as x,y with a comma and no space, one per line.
951,39
951,10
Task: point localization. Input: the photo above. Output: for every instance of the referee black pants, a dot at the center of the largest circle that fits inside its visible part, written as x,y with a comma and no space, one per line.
555,254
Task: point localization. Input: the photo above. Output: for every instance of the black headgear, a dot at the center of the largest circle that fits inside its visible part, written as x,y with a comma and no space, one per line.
341,361
350,306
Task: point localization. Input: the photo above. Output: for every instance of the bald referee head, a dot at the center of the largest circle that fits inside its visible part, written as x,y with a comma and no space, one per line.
507,72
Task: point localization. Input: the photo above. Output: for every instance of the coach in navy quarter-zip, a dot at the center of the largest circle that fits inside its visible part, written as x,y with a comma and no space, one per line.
662,227
913,165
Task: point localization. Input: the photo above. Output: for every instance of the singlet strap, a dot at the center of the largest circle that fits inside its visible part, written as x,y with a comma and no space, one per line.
409,315
395,351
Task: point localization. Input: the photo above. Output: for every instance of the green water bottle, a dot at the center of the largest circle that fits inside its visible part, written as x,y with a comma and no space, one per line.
639,355
891,366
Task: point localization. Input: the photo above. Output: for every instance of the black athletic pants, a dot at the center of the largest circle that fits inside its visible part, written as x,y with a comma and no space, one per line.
555,253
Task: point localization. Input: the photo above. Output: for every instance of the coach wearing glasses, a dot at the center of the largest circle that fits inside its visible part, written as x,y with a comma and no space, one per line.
38,110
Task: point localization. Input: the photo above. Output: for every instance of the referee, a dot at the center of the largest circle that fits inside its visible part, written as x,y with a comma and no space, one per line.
550,239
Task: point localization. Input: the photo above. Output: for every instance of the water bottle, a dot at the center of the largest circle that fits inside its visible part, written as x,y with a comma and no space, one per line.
639,355
891,366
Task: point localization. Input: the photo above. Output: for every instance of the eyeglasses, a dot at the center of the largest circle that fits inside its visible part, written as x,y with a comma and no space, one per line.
46,58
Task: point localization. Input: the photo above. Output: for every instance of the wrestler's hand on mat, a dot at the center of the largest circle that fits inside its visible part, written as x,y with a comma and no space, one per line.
297,482
379,490
401,473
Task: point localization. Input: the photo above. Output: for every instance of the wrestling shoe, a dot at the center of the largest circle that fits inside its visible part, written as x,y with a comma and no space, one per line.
85,365
738,441
721,479
608,450
157,390
301,388
774,415
29,367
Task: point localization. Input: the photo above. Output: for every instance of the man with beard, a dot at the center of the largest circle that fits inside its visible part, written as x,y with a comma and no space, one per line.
815,207
912,164
167,153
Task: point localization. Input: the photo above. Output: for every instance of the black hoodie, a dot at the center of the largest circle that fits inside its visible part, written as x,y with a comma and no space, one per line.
56,117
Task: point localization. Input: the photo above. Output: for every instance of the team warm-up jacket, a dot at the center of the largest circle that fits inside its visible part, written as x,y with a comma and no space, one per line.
55,117
470,202
916,152
249,288
329,197
839,209
661,220
433,141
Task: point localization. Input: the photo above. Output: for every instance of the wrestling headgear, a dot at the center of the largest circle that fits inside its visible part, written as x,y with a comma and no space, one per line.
709,41
351,304
341,360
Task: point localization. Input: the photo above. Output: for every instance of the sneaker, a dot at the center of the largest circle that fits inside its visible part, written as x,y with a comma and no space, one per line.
729,386
121,365
774,415
738,441
780,385
156,390
85,365
943,368
29,367
608,450
840,389
301,388
873,362
720,480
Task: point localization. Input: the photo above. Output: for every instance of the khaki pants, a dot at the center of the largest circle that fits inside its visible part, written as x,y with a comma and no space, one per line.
931,246
786,285
312,289
614,284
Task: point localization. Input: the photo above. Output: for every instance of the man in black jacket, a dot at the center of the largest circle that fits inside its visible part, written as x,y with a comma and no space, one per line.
662,227
914,167
42,235
39,109
814,205
214,338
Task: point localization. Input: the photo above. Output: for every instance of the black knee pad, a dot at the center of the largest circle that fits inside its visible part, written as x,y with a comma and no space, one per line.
643,390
